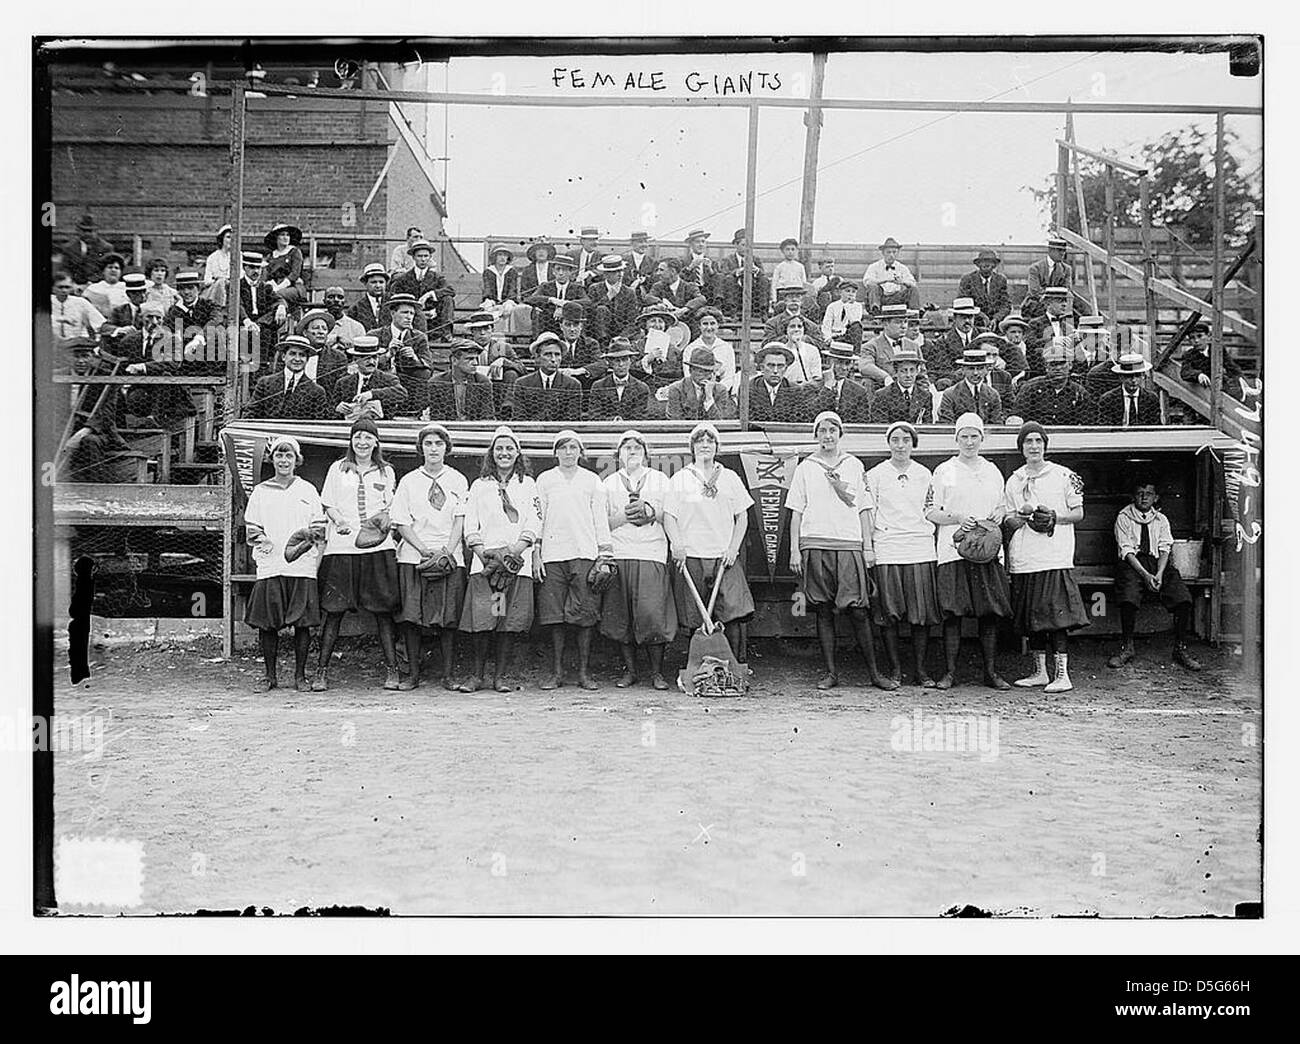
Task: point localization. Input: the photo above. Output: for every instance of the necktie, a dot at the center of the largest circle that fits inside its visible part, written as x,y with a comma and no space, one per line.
361,383
1144,541
512,512
436,496
291,386
1130,410
710,485
837,484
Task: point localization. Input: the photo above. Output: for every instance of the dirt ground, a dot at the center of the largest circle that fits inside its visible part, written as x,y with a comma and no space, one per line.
1135,795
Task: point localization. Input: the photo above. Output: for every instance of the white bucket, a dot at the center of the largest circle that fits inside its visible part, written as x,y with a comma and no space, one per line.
1185,556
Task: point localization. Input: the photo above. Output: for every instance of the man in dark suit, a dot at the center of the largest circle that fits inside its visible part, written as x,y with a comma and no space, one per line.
580,356
731,280
843,393
421,280
618,396
191,311
771,396
1052,270
699,395
1058,320
369,309
127,316
1130,404
904,399
639,266
941,359
259,308
289,394
1055,398
407,350
680,296
987,288
546,394
462,393
548,299
613,305
697,266
973,393
326,363
369,389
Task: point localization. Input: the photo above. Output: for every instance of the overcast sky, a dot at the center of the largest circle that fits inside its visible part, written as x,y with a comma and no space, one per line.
918,176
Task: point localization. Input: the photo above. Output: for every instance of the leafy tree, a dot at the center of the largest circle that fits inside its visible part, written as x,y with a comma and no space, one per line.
1182,189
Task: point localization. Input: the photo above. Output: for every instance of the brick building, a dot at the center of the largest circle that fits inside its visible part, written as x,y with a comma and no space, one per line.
153,166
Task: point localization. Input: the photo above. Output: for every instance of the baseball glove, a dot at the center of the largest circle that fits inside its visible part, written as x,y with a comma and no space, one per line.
980,543
601,575
1043,520
373,531
436,565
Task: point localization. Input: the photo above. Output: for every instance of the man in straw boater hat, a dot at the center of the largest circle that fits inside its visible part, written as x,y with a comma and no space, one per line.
697,266
545,394
574,537
889,281
876,356
771,396
462,393
1013,328
612,304
1055,398
731,280
618,396
973,393
495,352
1094,356
699,395
320,326
369,390
258,305
1052,270
370,309
987,287
1131,404
941,359
549,298
639,265
421,280
832,545
587,256
844,394
289,394
906,399
407,351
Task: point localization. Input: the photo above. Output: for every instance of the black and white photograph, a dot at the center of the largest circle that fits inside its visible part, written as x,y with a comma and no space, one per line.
648,477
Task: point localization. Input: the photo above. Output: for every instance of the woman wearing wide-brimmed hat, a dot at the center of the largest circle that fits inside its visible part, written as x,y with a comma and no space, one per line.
359,569
286,524
638,607
284,265
1044,502
429,515
968,503
502,524
903,540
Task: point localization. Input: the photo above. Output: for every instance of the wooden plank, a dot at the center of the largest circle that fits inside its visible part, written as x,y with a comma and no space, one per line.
1201,403
1109,160
126,504
207,382
1160,286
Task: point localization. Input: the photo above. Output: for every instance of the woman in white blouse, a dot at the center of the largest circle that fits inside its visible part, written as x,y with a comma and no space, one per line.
502,523
355,573
638,607
968,490
429,515
1044,502
903,539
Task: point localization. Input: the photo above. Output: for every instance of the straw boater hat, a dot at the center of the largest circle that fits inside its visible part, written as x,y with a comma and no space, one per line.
639,237
536,246
564,261
612,263
697,233
252,259
296,341
1092,324
840,350
365,346
989,342
153,308
619,348
1013,319
135,281
398,300
501,248
1057,243
827,415
988,255
188,278
373,269
1062,292
893,311
973,357
295,235
480,319
1130,366
589,232
964,306
775,348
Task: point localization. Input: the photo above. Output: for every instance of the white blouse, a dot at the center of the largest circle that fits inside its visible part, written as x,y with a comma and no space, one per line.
903,535
648,543
1055,487
965,491
280,511
486,522
411,507
356,497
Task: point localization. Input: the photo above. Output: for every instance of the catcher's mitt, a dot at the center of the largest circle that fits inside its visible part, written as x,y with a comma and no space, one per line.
980,543
302,540
373,531
435,566
495,568
1043,520
601,575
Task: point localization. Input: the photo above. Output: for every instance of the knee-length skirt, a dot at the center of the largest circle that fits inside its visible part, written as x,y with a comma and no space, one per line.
351,582
638,607
283,601
510,609
1048,600
906,592
430,603
973,588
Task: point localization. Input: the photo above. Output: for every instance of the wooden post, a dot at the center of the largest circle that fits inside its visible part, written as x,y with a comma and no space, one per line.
812,143
1084,230
1111,309
231,411
312,262
1063,173
1251,554
747,280
1216,296
1148,262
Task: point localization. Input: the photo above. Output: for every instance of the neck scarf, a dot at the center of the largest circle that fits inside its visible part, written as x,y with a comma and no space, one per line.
840,487
437,497
710,484
507,505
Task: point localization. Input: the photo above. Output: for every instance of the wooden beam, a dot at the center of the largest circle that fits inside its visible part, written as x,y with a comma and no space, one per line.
747,278
72,378
1228,423
1106,158
1162,287
812,142
132,504
1084,230
1195,317
1216,292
